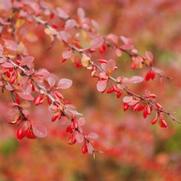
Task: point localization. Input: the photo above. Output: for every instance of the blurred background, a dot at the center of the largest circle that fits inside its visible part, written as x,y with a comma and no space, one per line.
132,149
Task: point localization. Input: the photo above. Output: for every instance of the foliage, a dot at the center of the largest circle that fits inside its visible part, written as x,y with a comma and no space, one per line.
109,73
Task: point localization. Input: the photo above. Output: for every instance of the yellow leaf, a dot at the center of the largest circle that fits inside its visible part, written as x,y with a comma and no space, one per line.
19,23
85,60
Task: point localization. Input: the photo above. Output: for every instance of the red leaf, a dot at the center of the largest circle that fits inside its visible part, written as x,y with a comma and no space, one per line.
42,73
90,148
71,23
81,13
6,4
1,50
64,36
136,79
51,80
39,129
71,111
97,42
132,80
149,57
7,65
26,94
113,38
62,14
64,84
11,45
81,121
129,100
79,137
67,54
110,66
101,85
93,136
128,44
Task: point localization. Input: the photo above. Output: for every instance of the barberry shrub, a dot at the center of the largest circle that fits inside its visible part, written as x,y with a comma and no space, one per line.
86,48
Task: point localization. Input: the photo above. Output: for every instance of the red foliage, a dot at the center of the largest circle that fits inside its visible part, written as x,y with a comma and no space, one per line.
30,86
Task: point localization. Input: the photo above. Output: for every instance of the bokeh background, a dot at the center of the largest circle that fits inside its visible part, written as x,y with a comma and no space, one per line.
132,149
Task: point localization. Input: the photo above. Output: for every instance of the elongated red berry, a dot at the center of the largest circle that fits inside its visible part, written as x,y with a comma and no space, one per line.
159,106
54,26
58,94
69,129
151,96
163,123
72,140
102,61
30,134
138,107
84,148
148,109
150,75
110,90
102,49
125,106
145,114
20,133
118,94
154,120
153,75
56,117
39,99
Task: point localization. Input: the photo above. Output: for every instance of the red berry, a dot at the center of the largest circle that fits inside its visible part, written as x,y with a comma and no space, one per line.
150,75
125,106
69,129
153,75
102,49
118,94
77,62
20,133
110,90
75,123
154,120
52,15
148,109
159,106
133,65
151,96
17,99
56,117
54,26
145,114
30,134
102,61
138,107
72,140
163,123
84,148
39,99
58,94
